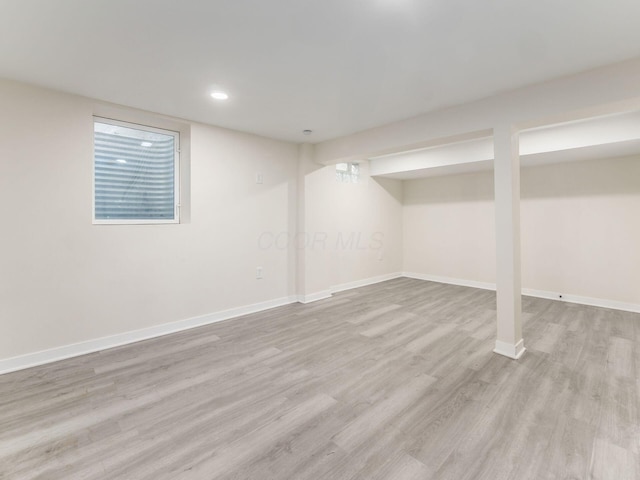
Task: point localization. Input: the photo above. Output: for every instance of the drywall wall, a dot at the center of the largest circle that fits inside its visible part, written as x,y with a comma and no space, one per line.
353,231
581,229
64,280
579,220
449,227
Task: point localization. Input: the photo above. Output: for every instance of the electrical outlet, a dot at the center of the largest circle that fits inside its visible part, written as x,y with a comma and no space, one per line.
258,273
259,178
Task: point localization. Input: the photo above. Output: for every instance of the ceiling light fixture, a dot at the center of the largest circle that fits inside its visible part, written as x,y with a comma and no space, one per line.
218,95
307,132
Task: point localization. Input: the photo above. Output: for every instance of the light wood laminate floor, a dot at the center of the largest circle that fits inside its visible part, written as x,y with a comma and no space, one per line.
392,381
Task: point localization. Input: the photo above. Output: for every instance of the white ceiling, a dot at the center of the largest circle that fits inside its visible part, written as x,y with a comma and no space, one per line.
333,66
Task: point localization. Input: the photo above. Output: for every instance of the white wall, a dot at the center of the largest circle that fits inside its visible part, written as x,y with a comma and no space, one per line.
580,228
449,227
64,280
353,230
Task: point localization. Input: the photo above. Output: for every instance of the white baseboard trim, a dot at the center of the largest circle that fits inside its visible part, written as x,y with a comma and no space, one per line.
529,292
593,302
90,346
364,282
324,294
451,281
510,350
34,359
314,297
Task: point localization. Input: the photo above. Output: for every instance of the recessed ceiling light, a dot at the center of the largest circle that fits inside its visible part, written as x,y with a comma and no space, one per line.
145,144
307,132
121,160
218,95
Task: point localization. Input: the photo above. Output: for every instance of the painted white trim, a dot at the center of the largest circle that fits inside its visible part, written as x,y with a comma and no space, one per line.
529,292
324,294
314,297
450,281
176,174
364,282
90,346
594,302
510,350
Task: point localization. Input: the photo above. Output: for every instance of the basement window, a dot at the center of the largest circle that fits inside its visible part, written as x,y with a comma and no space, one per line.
348,172
136,173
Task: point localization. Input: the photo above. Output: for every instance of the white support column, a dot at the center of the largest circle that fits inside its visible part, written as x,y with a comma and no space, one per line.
305,158
312,267
507,200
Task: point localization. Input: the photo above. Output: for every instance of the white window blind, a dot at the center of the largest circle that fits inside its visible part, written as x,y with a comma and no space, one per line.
135,173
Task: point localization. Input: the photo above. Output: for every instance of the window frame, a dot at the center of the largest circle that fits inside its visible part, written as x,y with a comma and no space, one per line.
176,174
342,175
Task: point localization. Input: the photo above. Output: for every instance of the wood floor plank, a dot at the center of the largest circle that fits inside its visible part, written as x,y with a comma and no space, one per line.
394,381
404,468
382,413
611,462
